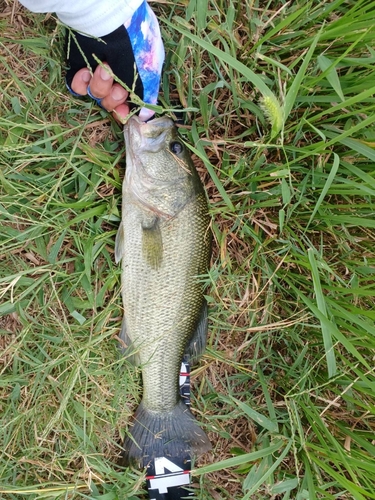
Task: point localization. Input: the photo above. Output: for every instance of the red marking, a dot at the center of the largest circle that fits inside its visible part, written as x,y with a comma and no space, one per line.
182,374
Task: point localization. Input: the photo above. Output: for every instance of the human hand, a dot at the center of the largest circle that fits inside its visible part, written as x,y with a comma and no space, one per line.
134,53
110,95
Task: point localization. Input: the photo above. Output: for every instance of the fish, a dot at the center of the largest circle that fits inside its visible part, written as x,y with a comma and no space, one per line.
164,243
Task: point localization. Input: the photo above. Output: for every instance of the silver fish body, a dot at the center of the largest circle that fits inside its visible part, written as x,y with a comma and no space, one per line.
164,244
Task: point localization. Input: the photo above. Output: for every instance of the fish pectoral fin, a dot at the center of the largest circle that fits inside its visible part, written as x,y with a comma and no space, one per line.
152,243
119,243
197,344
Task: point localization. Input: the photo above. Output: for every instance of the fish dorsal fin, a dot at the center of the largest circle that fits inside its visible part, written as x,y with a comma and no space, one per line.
119,243
152,242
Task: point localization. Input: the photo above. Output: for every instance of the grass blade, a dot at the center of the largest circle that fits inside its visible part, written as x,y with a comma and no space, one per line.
320,300
327,185
292,93
328,67
234,63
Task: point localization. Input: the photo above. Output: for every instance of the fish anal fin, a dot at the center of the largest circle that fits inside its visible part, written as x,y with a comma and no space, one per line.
127,347
197,343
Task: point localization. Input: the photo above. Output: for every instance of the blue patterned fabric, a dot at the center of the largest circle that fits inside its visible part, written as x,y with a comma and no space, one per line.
145,38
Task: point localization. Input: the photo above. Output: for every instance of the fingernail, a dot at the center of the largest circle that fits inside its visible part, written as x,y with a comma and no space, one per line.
86,76
118,93
104,74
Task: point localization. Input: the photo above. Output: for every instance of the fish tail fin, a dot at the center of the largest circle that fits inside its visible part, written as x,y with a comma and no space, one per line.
167,434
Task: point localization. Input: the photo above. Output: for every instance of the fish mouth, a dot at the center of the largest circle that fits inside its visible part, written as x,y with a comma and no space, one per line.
147,136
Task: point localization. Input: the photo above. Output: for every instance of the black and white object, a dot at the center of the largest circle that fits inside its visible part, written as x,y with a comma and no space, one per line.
185,379
166,477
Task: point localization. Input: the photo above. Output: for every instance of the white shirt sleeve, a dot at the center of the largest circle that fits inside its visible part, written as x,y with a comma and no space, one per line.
89,17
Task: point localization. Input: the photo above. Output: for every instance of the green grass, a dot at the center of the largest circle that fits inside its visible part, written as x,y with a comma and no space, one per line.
281,123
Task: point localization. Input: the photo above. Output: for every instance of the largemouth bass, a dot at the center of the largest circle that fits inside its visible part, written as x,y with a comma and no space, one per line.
164,243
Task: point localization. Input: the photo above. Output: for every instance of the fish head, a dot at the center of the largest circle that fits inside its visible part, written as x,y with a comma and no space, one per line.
159,170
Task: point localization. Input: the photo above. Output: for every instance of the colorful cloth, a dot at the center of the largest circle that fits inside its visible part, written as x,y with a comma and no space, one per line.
145,38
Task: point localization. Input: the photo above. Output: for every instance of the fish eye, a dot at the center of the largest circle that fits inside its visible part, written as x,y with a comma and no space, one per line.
176,147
